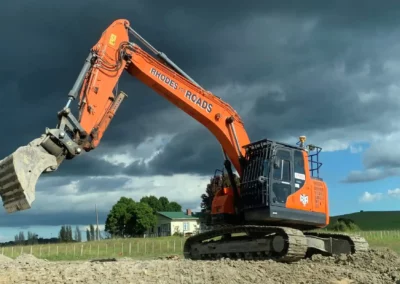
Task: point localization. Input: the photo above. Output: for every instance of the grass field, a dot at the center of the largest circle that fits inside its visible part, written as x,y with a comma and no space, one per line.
151,248
140,248
373,220
382,239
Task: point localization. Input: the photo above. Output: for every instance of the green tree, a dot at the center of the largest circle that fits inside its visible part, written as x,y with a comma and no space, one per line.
129,218
164,202
153,202
344,225
22,236
161,204
68,234
118,217
32,238
19,238
65,234
173,207
78,235
92,233
141,219
88,235
62,234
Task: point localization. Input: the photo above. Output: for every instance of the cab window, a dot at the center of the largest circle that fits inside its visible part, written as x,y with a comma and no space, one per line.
299,170
282,172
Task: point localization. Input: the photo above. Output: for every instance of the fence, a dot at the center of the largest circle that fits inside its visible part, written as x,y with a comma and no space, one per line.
114,248
379,235
137,248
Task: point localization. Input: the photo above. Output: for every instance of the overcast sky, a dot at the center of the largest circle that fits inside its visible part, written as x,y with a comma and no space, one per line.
326,70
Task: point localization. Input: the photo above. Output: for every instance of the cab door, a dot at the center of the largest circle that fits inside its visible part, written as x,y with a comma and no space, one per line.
282,176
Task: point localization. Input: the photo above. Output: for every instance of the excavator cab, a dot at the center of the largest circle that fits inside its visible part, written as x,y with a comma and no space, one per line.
280,185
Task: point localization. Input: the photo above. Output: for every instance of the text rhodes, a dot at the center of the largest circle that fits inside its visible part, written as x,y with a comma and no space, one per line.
196,99
164,78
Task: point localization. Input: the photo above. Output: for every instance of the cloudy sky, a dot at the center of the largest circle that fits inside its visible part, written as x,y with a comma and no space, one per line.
328,71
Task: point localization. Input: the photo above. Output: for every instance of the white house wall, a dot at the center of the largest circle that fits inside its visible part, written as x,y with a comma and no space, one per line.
168,227
178,226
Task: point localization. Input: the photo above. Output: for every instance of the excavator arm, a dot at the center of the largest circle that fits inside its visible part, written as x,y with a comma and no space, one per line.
98,103
162,76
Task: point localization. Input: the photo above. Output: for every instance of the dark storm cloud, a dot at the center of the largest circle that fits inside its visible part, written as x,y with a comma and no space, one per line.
86,165
91,184
178,29
380,161
326,103
101,184
182,155
370,175
50,181
320,55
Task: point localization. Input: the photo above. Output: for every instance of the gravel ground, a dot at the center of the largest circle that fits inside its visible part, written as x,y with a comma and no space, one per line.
376,266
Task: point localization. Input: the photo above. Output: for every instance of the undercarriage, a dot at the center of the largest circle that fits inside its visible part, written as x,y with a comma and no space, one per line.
281,244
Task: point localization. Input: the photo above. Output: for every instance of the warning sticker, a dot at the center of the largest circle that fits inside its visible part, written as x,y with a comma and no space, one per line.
299,176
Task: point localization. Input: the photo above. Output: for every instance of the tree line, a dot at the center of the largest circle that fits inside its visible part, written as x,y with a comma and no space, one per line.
128,218
30,239
65,235
93,234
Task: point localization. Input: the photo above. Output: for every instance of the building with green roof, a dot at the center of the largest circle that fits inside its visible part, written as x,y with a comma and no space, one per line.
175,223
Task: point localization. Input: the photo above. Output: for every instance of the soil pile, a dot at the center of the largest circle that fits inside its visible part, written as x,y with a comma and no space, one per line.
376,267
5,259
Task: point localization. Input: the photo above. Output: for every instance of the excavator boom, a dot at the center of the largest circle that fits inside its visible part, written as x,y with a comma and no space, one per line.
108,59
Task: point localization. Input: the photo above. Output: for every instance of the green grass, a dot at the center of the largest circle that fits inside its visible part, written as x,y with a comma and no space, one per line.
152,248
373,220
382,239
378,239
137,248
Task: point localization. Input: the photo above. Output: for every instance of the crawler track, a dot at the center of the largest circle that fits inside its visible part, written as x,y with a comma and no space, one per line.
260,243
281,244
356,243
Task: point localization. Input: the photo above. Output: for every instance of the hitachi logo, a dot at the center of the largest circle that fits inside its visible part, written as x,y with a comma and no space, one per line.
198,101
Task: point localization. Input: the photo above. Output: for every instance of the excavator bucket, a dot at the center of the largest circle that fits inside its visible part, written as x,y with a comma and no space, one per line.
19,173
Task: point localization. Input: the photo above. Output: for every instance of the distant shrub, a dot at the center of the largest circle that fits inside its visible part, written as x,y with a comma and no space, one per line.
344,225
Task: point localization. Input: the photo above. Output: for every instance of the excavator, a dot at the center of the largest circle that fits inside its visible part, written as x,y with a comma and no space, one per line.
273,212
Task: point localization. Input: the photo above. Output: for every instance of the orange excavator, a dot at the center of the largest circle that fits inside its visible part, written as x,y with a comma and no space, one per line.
271,213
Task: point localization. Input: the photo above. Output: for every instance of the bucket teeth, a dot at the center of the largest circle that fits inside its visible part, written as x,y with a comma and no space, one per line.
19,173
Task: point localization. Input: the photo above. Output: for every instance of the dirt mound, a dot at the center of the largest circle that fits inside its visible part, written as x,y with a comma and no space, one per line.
28,259
376,266
5,259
